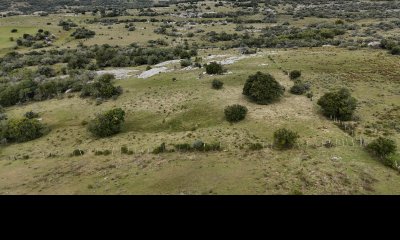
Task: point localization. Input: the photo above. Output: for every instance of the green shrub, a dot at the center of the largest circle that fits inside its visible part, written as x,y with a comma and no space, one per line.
160,149
102,87
255,146
217,84
395,50
185,147
46,71
235,113
262,88
31,115
284,138
23,130
339,104
214,68
125,150
298,89
198,145
108,123
212,147
77,152
186,63
382,147
81,33
294,74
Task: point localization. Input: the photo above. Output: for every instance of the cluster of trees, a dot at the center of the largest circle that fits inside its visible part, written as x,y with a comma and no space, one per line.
102,87
96,56
31,90
285,36
347,9
67,25
39,40
391,45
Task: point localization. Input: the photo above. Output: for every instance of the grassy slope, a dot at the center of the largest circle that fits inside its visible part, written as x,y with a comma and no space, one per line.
160,110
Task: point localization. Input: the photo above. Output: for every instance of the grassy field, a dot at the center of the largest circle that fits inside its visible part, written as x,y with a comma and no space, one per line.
160,110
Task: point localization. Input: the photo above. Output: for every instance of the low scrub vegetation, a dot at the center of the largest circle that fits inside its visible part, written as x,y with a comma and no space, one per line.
285,139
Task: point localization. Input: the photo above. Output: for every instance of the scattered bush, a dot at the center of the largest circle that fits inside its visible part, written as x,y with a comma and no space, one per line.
102,87
23,130
31,115
46,71
382,147
185,147
284,138
339,104
81,33
125,150
235,113
395,50
160,149
262,88
77,152
217,84
186,63
198,145
214,68
255,146
294,74
108,123
298,89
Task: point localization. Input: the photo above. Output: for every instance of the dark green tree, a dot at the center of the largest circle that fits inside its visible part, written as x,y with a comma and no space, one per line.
263,88
338,104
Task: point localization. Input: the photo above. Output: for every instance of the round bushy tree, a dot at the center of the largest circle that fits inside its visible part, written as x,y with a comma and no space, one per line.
214,68
284,138
294,74
263,88
339,104
217,84
23,130
382,147
108,123
235,113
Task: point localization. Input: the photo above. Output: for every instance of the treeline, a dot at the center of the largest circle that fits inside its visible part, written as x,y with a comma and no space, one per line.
284,36
95,56
31,89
